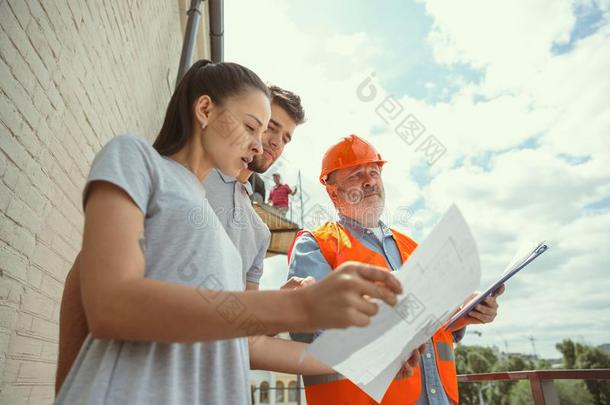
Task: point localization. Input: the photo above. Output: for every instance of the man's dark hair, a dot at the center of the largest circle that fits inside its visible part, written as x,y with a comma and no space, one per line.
289,101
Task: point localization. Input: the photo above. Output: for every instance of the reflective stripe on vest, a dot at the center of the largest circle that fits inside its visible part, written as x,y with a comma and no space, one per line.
445,351
338,245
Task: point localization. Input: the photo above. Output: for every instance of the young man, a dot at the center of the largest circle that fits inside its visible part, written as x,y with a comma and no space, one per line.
230,197
278,197
351,173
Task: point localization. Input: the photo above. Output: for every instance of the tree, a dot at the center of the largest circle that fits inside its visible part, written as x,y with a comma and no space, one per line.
576,355
521,394
568,349
542,364
473,360
500,394
593,357
477,359
569,392
573,392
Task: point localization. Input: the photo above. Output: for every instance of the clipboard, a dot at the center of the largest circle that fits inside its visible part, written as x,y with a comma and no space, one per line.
540,248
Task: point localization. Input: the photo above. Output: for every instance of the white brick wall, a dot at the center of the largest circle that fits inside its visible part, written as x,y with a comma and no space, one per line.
73,74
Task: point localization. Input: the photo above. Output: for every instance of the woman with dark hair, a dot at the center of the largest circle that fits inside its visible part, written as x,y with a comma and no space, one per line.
161,282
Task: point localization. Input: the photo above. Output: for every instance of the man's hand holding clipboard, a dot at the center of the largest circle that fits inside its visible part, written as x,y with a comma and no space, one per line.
487,310
483,306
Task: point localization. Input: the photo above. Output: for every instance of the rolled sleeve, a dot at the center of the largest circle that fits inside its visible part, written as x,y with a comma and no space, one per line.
307,259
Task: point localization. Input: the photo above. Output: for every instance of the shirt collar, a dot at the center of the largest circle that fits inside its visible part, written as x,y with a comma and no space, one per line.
355,225
248,187
229,179
225,178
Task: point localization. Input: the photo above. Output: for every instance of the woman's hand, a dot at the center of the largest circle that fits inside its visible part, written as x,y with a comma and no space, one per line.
342,299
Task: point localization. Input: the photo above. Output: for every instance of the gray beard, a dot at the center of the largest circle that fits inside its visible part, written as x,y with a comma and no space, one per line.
369,218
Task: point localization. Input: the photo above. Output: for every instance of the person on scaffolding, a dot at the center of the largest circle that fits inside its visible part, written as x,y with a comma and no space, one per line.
278,197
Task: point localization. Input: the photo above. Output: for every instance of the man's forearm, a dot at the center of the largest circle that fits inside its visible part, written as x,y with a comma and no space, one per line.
151,310
280,355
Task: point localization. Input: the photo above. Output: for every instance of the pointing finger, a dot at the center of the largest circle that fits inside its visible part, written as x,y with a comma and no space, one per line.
379,274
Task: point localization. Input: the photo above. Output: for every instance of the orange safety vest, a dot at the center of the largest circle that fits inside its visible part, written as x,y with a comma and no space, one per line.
338,246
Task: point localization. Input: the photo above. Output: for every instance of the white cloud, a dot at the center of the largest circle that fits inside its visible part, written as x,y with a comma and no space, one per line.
559,99
508,38
526,92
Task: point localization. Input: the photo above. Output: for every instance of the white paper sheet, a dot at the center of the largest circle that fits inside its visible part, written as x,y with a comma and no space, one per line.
437,278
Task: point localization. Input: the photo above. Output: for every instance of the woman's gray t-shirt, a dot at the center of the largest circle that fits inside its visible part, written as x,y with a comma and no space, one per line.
184,244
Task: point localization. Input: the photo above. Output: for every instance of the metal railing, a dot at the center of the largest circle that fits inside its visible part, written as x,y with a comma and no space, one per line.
541,381
256,395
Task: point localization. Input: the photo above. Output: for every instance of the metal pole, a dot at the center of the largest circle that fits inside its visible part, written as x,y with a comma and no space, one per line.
190,38
299,387
302,225
301,197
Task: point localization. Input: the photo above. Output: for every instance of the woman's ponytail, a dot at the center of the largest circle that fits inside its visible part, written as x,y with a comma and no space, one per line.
216,80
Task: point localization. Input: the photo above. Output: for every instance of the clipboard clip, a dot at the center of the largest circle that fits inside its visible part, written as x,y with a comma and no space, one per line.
541,248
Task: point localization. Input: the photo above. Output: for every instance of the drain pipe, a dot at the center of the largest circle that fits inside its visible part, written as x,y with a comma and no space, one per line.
216,10
190,38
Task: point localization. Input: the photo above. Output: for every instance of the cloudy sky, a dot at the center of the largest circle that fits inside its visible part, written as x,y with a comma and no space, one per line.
499,106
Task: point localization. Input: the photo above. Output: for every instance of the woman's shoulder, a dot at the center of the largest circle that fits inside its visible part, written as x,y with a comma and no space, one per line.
131,141
132,147
129,152
127,161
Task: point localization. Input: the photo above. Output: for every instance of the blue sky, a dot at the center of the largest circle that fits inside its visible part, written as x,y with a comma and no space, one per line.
589,20
516,93
404,63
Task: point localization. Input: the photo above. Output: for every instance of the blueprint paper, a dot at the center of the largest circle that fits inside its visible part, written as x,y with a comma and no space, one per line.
441,273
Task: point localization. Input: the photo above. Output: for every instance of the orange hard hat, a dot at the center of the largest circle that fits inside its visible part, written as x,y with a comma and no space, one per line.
348,152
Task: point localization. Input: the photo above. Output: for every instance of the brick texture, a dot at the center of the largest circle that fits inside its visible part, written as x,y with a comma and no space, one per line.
73,74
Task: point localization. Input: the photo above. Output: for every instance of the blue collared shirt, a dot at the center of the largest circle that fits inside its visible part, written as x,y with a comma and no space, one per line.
307,260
